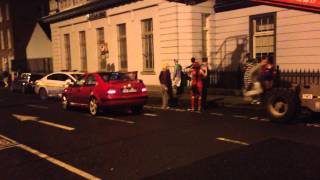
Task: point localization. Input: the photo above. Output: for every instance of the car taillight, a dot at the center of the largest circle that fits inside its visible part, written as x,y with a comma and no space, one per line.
111,91
144,89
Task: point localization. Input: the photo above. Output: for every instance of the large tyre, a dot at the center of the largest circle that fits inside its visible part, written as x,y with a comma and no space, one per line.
281,105
93,107
43,94
65,103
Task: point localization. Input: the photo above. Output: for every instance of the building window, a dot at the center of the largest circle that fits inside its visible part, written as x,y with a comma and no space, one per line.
83,50
147,45
122,42
2,39
1,16
262,35
204,33
9,39
67,50
102,49
7,12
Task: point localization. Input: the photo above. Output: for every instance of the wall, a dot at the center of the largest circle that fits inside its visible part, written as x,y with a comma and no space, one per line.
297,36
177,34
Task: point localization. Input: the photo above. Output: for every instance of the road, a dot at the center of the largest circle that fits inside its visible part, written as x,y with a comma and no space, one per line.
39,140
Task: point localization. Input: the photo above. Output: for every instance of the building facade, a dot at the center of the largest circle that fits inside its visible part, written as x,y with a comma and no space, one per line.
17,23
6,43
141,35
287,30
129,35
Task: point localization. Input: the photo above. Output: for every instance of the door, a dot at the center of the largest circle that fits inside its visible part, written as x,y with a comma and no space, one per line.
87,89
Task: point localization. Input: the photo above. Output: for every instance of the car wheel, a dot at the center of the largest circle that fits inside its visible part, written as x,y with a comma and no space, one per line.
137,109
93,107
65,103
43,94
281,105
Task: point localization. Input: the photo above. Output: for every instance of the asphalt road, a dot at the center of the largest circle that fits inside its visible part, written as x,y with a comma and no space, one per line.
39,140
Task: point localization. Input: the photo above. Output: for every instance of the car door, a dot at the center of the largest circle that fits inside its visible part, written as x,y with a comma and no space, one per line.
87,89
75,90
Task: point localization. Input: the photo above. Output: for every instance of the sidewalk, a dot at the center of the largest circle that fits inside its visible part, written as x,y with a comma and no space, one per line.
215,98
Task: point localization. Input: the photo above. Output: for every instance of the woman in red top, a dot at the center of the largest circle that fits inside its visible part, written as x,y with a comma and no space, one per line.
196,85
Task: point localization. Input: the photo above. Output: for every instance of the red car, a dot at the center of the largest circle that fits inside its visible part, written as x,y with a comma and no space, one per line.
106,90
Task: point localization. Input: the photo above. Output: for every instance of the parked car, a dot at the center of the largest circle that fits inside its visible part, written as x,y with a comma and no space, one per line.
106,90
52,85
25,82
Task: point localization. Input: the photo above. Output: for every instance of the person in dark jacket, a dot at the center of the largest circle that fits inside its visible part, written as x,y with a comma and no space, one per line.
205,82
165,85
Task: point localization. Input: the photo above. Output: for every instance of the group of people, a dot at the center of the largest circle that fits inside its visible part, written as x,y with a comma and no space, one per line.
196,72
258,77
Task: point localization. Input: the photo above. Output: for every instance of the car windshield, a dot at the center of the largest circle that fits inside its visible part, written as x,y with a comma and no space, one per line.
118,76
77,76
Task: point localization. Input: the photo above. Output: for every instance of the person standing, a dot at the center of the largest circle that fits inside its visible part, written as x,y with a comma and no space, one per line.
177,74
196,86
205,82
165,85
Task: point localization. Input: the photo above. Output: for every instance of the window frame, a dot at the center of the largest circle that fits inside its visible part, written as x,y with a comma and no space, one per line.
100,33
253,35
67,51
147,38
122,40
83,51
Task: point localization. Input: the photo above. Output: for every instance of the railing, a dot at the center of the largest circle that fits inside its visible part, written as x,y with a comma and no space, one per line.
233,79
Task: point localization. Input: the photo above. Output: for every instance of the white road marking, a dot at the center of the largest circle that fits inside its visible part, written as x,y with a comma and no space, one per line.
52,160
232,141
240,116
313,125
150,114
265,120
23,118
116,119
37,106
254,118
217,114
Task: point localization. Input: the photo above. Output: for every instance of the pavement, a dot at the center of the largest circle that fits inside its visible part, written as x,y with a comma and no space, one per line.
216,97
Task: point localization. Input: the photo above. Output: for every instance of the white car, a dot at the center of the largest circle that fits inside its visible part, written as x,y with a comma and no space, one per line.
52,85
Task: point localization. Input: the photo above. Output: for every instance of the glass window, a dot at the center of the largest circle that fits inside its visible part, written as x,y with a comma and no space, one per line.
263,35
58,77
2,39
83,50
67,50
204,29
1,16
116,76
122,42
147,45
91,80
9,39
7,12
102,49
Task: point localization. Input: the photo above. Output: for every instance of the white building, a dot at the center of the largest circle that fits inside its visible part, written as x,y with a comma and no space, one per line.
129,35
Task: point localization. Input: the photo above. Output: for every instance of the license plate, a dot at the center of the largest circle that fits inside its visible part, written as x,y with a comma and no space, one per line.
132,90
307,96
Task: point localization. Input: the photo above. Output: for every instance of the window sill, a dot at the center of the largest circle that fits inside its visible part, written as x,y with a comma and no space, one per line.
148,73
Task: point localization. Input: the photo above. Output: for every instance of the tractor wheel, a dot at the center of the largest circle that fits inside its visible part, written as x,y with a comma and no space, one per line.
281,105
